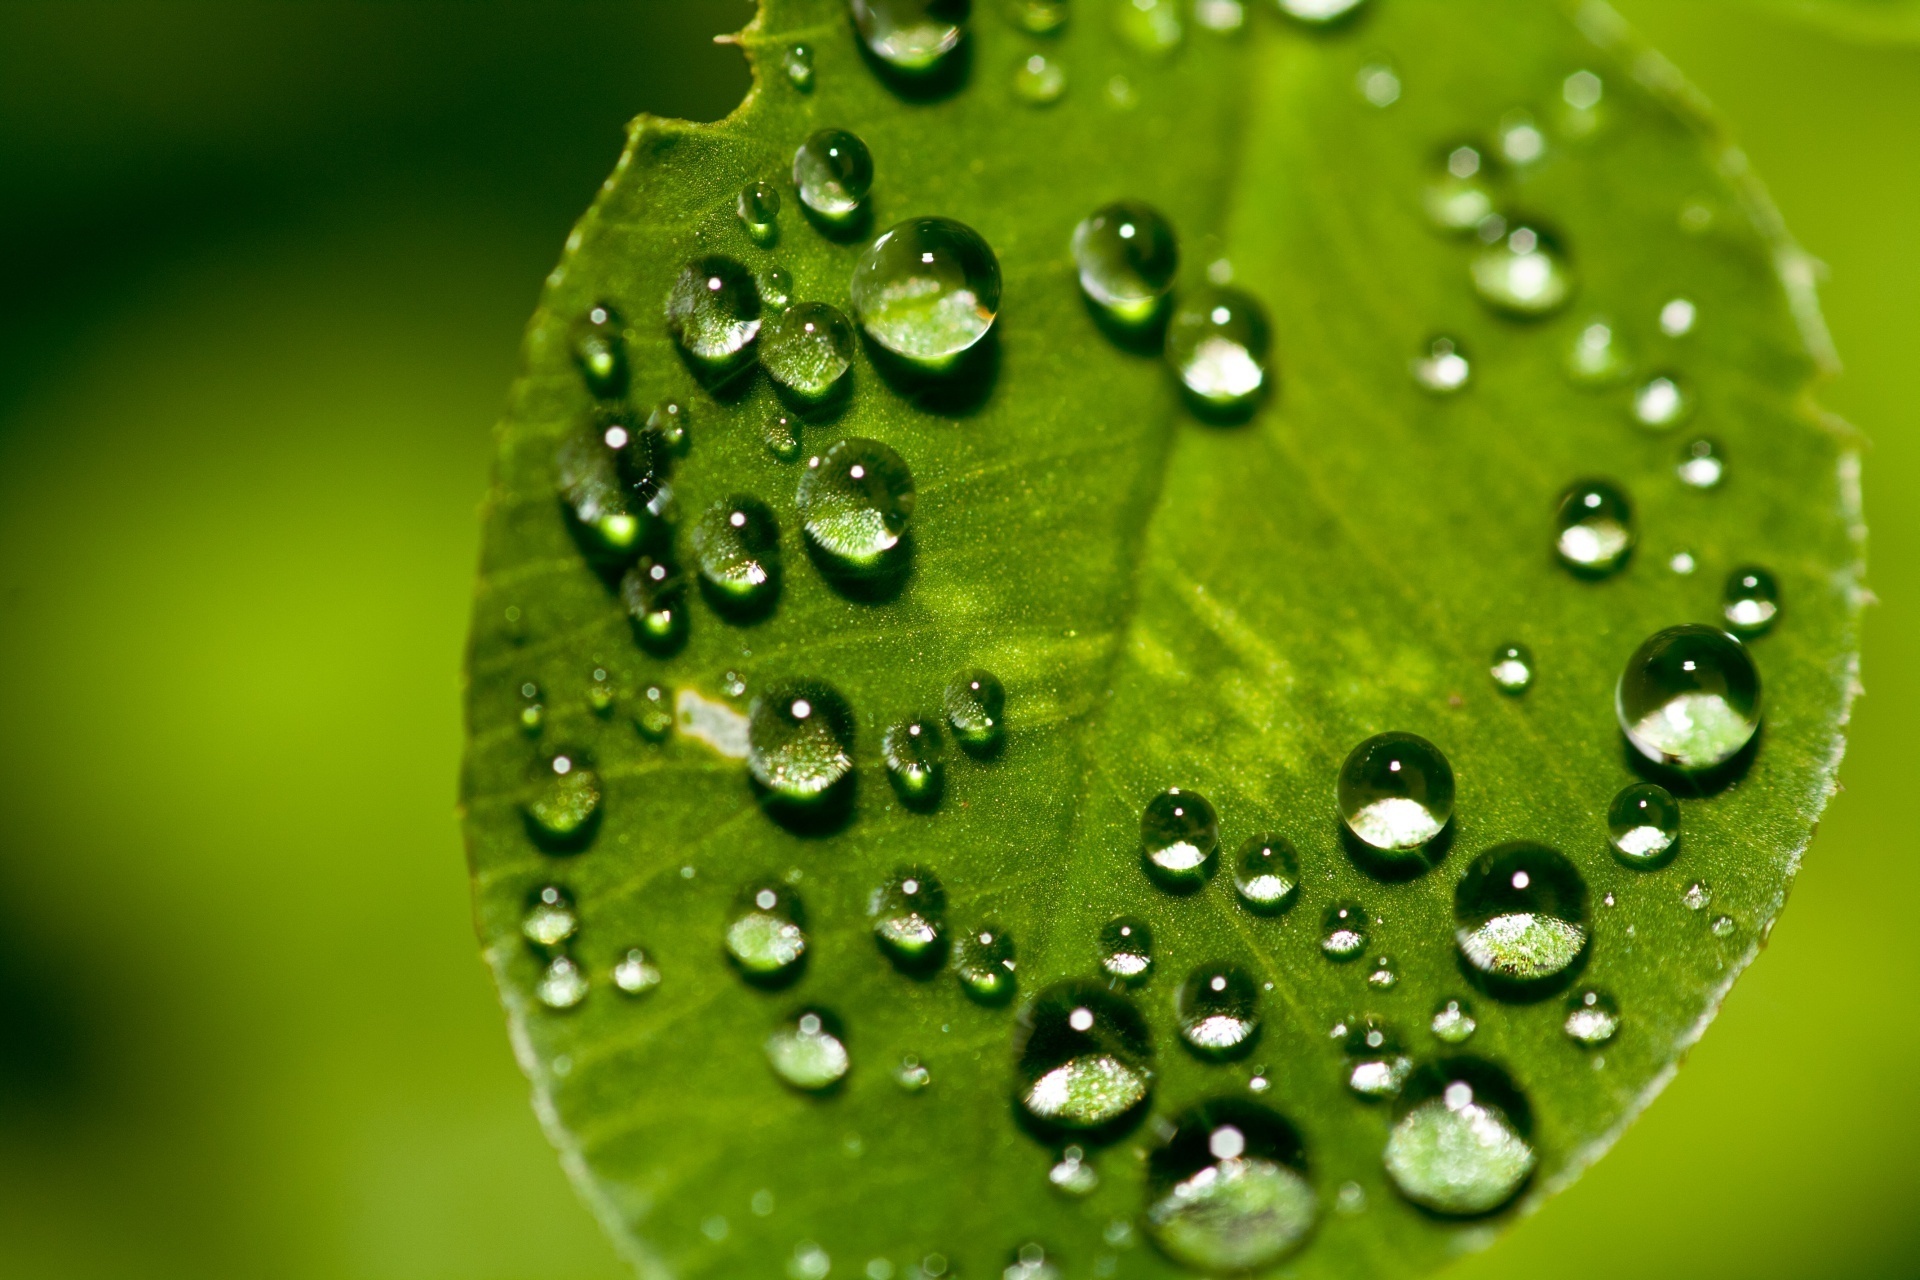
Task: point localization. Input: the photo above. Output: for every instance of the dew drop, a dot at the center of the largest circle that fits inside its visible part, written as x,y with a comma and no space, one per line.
1592,1018
565,808
1378,84
653,592
533,709
767,939
1521,915
1218,1012
1126,949
800,739
1443,370
1453,1022
1217,343
1512,668
1525,275
1593,527
909,914
1179,833
759,208
1689,697
911,1074
1383,974
1039,80
809,1052
911,36
736,546
1521,142
1038,17
1701,465
550,918
601,695
1460,1144
1084,1058
1150,26
1458,199
1345,931
797,62
776,288
975,705
1752,601
1697,896
1663,401
1677,317
808,349
1228,1191
600,351
1643,822
927,290
1582,90
1722,927
1376,1065
1074,1175
610,516
653,713
781,435
562,985
985,965
713,310
1266,874
1597,357
1318,12
1395,792
855,501
635,973
832,172
1126,254
914,752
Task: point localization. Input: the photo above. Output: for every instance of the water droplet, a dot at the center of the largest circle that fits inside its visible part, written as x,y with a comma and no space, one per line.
911,36
1179,832
855,501
1395,792
1345,935
1521,909
1376,1066
807,349
808,1051
1126,949
1222,16
1597,358
1378,84
1520,140
1030,1262
1151,26
797,62
985,963
1083,1055
1442,370
565,808
781,435
1582,90
714,1228
1453,1022
1525,275
1642,823
1318,12
909,916
1592,1018
600,351
601,695
1217,342
653,592
1266,874
833,171
635,974
1689,697
776,288
1228,1190
767,936
800,739
550,918
1458,198
533,709
713,310
1701,465
1663,401
1677,317
1722,927
668,421
927,290
975,705
1351,1199
736,546
1126,254
1512,668
913,751
562,985
1593,528
1039,17
911,1074
653,713
1218,1011
1074,1175
1752,601
609,515
1460,1145
1039,80
1697,896
1384,974
759,209
1682,563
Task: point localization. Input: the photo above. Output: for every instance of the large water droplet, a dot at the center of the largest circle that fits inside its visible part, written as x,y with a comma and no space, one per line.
562,985
909,916
565,808
1345,931
1266,874
1218,1009
1376,1066
767,939
1642,823
1318,12
1597,357
1228,1191
1523,276
1460,1146
1521,910
855,501
912,36
1752,601
1443,370
976,704
653,593
635,973
1512,668
599,349
1217,342
609,516
1662,401
736,546
797,62
1126,949
1179,832
927,290
1151,26
833,171
1701,465
713,310
550,918
1084,1058
1689,697
1039,81
800,739
1458,198
1127,256
1453,1022
1593,528
808,1051
1395,792
985,965
1592,1018
759,208
807,349
913,751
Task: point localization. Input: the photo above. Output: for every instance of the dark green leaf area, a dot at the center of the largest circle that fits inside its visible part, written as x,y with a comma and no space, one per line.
1089,586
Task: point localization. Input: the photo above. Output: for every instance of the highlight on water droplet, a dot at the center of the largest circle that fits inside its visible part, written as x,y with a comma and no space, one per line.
564,811
1442,370
1228,1191
562,985
1453,1022
736,547
809,1052
1126,949
550,918
1580,95
1702,465
1316,13
914,752
807,349
1697,896
797,61
1524,276
1751,602
1593,528
713,310
1689,698
911,1074
1223,17
1217,343
1643,824
1376,1065
1592,1018
1512,668
1073,1174
1383,974
1395,792
927,290
1458,199
781,434
767,938
1084,1059
776,287
1179,833
1520,140
909,914
832,172
759,208
1266,874
975,703
1150,26
599,350
1039,80
1030,1262
635,973
1218,1012
985,964
1037,17
855,501
1378,84
800,739
1345,931
1126,254
653,592
533,709
1663,401
1677,317
1461,1143
912,37
1521,916
1597,357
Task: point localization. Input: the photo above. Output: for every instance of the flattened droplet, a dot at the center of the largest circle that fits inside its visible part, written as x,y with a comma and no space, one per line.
713,310
1228,1191
1084,1058
809,1052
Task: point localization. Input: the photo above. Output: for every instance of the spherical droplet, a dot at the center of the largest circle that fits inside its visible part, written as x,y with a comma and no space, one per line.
1453,1022
1150,26
634,973
1039,80
1126,949
1084,1058
767,938
1266,874
1460,1145
759,208
914,752
565,808
855,501
1701,465
653,592
909,914
1521,916
1442,370
1697,896
797,62
800,739
1227,1192
1752,601
1597,358
1395,792
1127,255
668,421
1689,697
736,546
985,963
1592,1018
653,713
1662,401
562,985
911,1074
781,434
976,705
1318,12
1074,1175
1458,198
808,1052
1593,528
1383,974
1376,1066
713,310
1179,833
911,36
1345,931
1217,343
807,349
599,349
1512,668
776,288
1642,823
833,171
927,290
1523,276
550,918
1218,1011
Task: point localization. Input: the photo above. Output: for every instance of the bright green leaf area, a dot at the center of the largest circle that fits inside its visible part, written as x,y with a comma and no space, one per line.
1871,20
1227,608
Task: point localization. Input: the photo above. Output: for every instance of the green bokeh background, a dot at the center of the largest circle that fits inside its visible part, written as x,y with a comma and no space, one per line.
263,269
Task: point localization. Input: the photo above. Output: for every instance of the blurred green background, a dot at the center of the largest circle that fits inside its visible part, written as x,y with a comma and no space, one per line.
263,269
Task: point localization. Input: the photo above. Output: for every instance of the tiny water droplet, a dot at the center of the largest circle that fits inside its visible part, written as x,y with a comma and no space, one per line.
1593,528
1677,317
911,36
1752,601
1682,563
1592,1018
1521,142
1223,17
975,704
808,1052
1521,911
832,172
1345,931
1121,93
1701,465
1395,792
1689,697
1318,12
1351,1199
781,436
1384,974
800,739
927,290
1453,1022
1582,90
1218,1009
1512,668
1126,949
911,1074
762,1203
855,501
1179,833
1460,1145
601,695
668,420
1443,370
759,208
1266,874
1074,1175
1227,1191
1378,84
550,918
1722,927
1376,1065
1663,401
776,288
635,974
1697,896
767,937
1126,254
1150,26
736,546
653,592
1083,1055
713,310
909,915
1038,17
797,62
653,713
563,985
1039,80
985,963
1457,198
1217,342
599,349
533,709
914,752
1030,1262
565,808
1695,217
1597,357
1525,275
1642,824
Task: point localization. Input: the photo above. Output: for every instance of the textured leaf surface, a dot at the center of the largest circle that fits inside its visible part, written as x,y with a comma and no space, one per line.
1224,608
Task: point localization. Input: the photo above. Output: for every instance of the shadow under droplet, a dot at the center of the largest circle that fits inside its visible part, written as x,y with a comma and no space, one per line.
727,381
1147,338
879,583
575,841
1215,415
1395,868
958,392
824,815
936,84
1182,886
747,610
845,229
779,980
1695,786
922,967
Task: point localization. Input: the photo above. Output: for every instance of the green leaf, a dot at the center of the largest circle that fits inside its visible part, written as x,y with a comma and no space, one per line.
1171,600
1890,21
